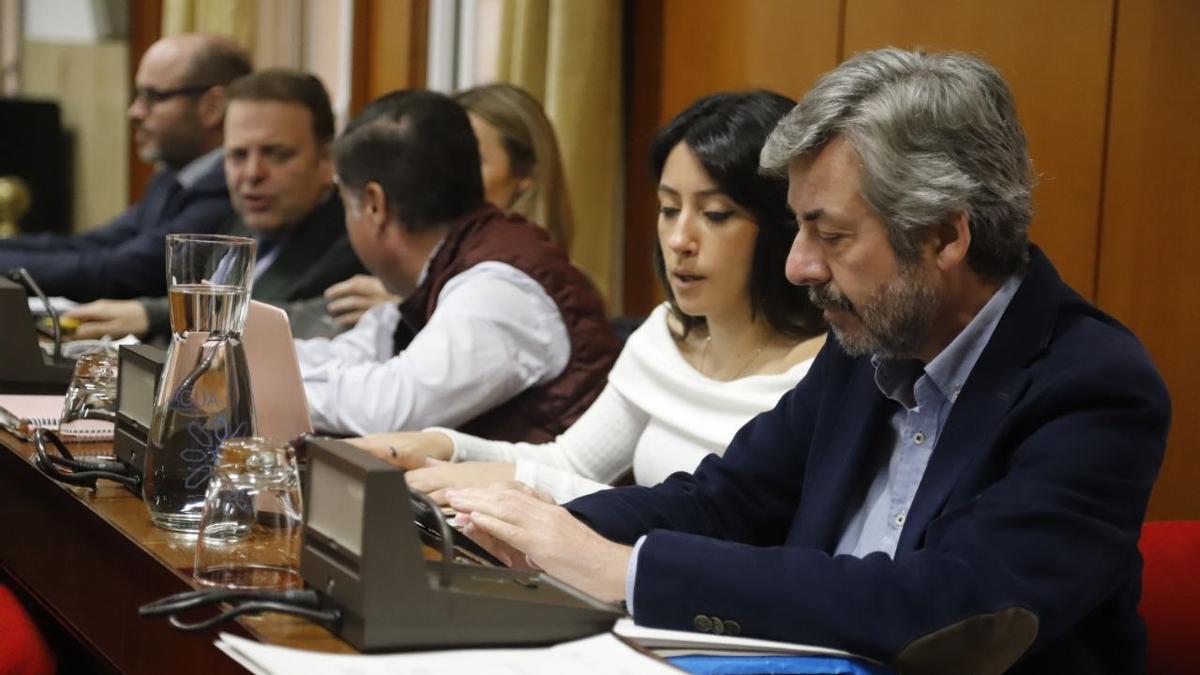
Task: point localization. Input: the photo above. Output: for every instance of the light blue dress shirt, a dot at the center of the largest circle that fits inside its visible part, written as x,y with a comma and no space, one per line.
923,398
196,169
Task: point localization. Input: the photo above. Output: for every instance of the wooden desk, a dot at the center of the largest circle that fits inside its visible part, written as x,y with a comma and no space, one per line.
90,559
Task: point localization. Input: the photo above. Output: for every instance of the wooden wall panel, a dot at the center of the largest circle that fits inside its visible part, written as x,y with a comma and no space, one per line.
1150,242
390,38
714,45
145,27
88,80
1055,57
679,50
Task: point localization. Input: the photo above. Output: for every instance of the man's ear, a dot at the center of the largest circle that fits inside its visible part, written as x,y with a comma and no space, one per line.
951,240
374,207
325,161
210,107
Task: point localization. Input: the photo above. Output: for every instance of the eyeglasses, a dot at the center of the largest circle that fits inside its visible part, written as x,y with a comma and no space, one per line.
152,97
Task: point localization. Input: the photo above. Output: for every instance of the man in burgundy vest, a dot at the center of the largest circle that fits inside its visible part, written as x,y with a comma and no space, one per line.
498,335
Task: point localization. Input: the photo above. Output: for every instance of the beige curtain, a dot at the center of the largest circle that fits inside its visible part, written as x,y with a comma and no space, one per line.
10,47
235,18
567,53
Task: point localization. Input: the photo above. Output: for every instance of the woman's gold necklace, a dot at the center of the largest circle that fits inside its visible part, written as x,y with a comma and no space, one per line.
704,360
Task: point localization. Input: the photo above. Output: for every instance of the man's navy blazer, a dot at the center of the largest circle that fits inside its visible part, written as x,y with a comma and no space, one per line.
125,258
1021,540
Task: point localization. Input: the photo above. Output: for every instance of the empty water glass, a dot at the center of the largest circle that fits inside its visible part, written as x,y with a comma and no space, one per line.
250,526
90,406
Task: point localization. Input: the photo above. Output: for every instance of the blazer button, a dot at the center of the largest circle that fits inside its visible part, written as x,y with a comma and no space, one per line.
702,623
732,628
718,626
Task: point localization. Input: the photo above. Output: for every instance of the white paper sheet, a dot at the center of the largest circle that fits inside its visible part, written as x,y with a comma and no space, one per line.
59,303
677,642
597,654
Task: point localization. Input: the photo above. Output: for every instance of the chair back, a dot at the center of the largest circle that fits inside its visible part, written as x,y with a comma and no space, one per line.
22,649
1171,595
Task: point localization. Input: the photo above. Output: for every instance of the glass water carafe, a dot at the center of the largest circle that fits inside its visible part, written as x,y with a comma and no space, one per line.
203,397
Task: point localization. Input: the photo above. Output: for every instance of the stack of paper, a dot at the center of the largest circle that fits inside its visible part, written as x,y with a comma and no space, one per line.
597,654
677,642
704,653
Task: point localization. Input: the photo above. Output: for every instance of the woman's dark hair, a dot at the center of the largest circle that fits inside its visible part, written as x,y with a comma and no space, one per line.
420,148
726,132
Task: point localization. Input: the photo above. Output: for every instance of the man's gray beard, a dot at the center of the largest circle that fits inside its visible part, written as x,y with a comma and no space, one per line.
894,322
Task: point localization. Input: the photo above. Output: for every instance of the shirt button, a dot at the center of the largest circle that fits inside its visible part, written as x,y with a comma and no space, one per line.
919,438
899,520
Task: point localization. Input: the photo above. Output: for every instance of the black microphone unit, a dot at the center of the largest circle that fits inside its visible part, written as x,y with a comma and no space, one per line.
140,370
368,567
24,367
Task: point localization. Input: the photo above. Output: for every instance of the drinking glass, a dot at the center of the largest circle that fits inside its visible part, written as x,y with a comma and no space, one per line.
204,396
250,526
90,406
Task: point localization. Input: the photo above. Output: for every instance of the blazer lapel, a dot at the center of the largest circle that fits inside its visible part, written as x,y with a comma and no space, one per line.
967,437
839,459
996,383
308,241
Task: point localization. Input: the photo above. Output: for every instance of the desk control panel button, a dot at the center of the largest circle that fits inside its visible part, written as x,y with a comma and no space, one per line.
718,626
732,628
702,623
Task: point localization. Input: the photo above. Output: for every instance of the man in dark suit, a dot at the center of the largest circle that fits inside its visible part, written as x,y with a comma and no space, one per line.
278,133
958,484
177,112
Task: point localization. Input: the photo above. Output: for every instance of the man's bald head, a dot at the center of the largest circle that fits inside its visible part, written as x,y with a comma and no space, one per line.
179,103
214,59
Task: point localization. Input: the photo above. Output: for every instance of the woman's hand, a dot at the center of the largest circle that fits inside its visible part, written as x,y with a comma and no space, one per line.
509,521
348,300
436,477
406,449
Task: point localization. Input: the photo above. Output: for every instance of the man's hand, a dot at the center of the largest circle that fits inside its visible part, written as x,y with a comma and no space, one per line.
508,520
407,449
436,476
112,318
348,300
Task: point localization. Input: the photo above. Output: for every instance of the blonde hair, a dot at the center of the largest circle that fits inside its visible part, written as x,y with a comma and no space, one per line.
528,139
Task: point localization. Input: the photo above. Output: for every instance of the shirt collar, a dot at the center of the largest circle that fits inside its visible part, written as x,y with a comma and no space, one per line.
191,173
948,370
425,268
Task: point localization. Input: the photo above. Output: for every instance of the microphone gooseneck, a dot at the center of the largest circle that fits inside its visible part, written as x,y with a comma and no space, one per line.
23,277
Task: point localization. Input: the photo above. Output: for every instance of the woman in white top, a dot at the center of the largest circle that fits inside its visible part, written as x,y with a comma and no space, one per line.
733,336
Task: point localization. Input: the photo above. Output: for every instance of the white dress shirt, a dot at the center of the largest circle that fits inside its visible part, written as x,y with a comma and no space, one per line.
495,333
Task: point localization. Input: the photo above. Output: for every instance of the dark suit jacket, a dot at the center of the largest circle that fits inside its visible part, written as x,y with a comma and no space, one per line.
315,255
125,258
1024,529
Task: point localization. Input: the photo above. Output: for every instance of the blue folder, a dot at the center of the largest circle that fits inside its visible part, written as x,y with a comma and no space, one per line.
775,665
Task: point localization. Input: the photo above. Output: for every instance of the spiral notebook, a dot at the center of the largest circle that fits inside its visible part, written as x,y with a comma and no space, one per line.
38,411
